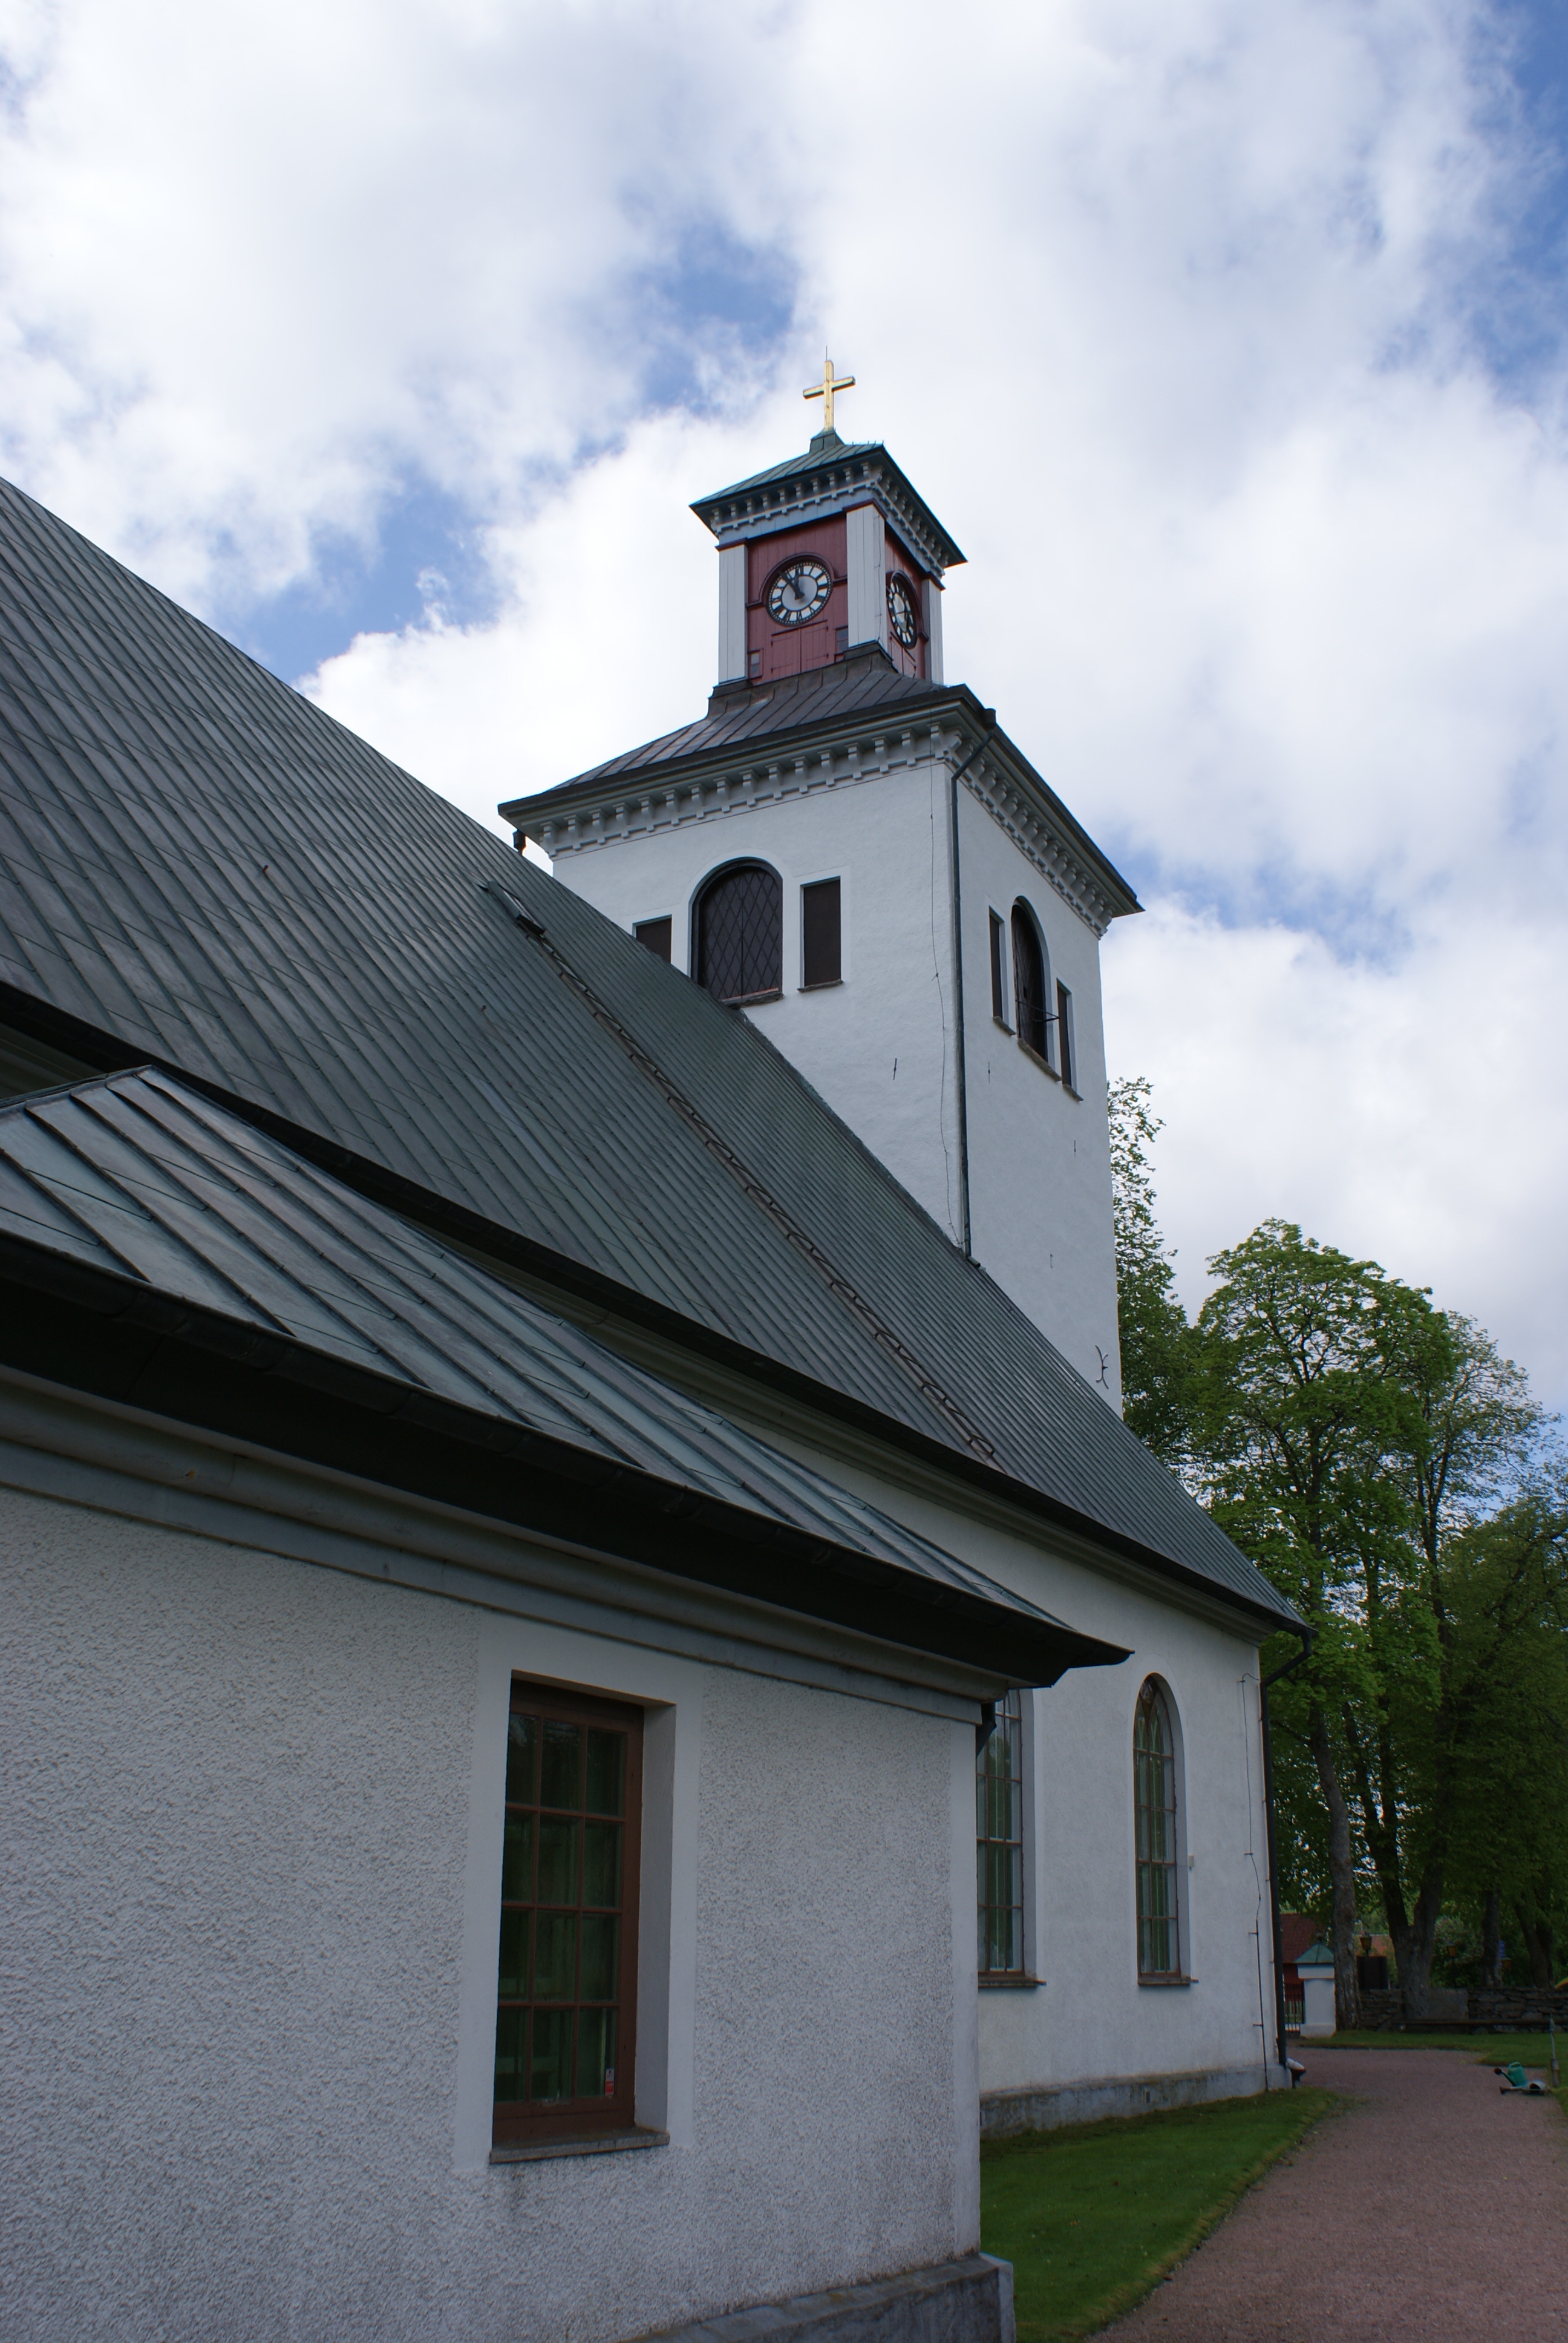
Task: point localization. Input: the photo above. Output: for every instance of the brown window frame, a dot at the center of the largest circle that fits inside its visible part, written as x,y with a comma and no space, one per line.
517,2121
995,1847
1165,1862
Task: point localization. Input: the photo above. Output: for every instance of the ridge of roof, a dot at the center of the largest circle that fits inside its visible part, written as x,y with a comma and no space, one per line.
200,869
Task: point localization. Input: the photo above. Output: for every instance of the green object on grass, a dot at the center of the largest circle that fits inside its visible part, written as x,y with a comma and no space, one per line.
1092,2217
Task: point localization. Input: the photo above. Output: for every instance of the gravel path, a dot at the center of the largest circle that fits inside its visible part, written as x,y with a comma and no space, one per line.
1433,2211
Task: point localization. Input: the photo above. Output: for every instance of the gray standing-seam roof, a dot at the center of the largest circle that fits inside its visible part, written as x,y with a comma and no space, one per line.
822,696
200,867
143,1180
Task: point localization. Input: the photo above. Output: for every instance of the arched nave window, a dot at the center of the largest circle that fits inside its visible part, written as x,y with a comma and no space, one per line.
1155,1805
1030,983
999,1842
740,932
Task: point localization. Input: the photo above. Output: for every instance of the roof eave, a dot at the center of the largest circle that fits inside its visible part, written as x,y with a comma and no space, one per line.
542,1263
190,1364
589,788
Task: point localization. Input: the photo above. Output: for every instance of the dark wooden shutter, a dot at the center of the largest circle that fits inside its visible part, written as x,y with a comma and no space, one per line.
998,996
821,934
655,934
740,933
1065,1066
1028,982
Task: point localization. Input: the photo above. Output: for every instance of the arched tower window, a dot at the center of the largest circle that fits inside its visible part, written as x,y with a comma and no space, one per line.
1154,1804
1029,983
740,932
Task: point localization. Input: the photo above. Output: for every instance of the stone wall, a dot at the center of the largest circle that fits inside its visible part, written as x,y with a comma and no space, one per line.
1523,2009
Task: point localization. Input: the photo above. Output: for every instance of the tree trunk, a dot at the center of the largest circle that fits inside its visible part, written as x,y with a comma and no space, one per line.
1492,1939
1341,1875
1536,1937
1415,1943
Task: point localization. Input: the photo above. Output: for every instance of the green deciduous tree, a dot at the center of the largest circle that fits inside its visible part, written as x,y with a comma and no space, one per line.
1385,1467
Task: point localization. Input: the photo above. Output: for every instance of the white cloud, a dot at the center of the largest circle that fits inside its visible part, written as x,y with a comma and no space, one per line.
1168,306
1398,1110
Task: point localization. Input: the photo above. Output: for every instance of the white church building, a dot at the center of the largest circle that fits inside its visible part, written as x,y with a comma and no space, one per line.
594,1685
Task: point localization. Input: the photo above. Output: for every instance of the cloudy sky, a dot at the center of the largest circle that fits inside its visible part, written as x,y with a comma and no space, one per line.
1227,339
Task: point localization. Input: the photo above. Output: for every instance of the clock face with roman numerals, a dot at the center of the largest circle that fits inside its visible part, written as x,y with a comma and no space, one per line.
902,610
798,593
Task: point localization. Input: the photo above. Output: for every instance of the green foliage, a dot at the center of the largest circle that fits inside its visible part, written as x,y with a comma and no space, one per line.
1092,2216
1389,1471
1156,1339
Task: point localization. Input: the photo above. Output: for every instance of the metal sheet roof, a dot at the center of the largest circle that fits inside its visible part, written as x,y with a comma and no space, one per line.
831,472
140,1178
199,867
825,695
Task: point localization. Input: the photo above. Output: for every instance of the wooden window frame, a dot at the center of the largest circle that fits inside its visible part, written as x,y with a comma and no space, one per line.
1009,1735
1153,1698
656,936
516,2122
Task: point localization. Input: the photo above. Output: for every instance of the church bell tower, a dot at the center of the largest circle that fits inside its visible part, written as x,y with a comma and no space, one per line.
830,554
850,850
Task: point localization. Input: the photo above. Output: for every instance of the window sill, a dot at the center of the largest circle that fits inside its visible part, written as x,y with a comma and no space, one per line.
594,2143
1043,1063
750,1000
1011,1984
826,985
1155,1985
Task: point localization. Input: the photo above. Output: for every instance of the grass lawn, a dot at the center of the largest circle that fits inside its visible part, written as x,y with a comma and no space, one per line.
1491,2050
1092,2216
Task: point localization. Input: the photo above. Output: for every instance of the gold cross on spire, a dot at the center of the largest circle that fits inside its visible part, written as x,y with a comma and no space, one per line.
825,388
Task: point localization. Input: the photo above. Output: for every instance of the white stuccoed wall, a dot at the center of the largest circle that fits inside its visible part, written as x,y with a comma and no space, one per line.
253,1815
880,1047
1091,2020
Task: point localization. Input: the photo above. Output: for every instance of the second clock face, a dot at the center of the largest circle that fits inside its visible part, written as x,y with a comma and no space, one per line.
798,593
902,610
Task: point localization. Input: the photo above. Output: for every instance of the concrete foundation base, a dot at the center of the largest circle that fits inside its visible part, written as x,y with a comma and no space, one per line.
1045,2107
967,2301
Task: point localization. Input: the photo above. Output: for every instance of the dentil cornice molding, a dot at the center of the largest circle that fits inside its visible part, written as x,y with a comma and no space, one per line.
640,806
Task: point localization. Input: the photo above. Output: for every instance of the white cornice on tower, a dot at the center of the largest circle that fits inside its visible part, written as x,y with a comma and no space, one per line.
626,806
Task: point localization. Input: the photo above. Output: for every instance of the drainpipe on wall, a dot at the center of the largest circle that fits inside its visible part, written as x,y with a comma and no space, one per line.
1289,1669
987,726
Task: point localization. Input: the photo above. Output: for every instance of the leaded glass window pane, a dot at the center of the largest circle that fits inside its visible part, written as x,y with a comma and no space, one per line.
1154,1815
999,1843
740,933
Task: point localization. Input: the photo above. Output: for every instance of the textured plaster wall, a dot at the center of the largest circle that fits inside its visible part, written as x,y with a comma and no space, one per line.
881,1047
1040,1158
1092,2019
254,1824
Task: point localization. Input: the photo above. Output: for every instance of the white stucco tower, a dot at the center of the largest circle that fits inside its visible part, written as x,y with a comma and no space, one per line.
852,851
